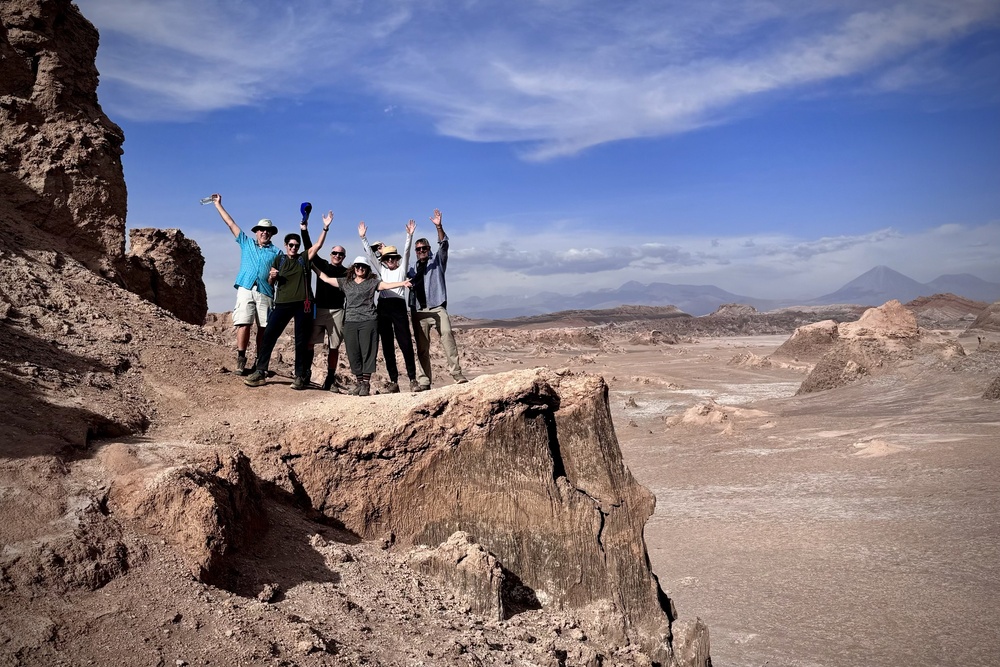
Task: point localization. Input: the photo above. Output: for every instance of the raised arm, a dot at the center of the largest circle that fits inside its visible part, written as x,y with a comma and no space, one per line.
411,227
369,253
226,218
384,285
315,248
325,278
436,219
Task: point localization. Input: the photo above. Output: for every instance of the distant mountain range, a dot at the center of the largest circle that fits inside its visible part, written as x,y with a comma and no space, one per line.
872,288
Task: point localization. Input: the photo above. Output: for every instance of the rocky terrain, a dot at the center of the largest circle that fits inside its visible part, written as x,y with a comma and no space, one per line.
156,510
608,487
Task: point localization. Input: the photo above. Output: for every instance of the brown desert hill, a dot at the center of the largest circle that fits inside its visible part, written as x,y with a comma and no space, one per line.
945,310
988,320
157,510
881,338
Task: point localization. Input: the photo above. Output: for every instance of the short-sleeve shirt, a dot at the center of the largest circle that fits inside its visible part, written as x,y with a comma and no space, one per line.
328,296
359,299
255,264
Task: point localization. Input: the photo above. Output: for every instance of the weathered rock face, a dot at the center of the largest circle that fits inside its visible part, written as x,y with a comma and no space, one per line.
204,512
165,267
880,338
526,464
988,320
61,179
809,342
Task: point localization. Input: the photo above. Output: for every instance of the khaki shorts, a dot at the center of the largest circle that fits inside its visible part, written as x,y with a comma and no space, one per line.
328,326
251,306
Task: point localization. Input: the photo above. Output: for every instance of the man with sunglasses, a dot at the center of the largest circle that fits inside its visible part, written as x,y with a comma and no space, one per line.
329,323
290,275
254,294
429,306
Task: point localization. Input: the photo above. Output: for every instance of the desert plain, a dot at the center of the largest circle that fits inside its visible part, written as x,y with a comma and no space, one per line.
853,526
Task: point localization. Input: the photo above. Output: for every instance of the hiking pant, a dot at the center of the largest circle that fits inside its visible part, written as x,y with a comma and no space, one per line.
424,321
361,345
392,321
280,316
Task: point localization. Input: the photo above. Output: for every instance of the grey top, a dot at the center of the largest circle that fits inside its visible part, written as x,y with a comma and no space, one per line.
359,299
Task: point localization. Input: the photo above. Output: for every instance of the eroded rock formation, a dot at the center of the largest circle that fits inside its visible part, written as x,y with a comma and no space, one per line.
61,179
527,465
880,338
165,267
62,187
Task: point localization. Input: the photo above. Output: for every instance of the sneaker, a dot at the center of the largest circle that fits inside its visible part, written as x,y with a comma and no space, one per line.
356,389
256,379
414,386
392,388
422,387
365,389
241,365
460,379
299,383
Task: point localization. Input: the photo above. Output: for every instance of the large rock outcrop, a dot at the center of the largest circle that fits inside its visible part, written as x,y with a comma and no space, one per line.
61,181
165,267
880,339
527,464
988,320
62,186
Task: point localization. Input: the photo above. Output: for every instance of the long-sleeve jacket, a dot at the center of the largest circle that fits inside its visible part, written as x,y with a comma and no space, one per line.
433,279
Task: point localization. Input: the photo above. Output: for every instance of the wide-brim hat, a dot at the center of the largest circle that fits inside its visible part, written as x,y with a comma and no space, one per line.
361,259
266,225
390,251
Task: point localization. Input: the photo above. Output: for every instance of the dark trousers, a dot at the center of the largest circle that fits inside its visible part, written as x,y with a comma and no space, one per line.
393,321
281,315
361,345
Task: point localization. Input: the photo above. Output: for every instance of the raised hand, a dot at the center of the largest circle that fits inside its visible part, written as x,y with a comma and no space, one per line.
411,226
436,218
362,229
327,218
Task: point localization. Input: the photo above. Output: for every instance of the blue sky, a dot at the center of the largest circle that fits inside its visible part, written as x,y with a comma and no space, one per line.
774,149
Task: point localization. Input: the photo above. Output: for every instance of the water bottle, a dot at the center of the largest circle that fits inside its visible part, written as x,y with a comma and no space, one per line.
207,200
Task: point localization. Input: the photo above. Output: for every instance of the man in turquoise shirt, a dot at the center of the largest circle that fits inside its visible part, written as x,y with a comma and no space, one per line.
254,294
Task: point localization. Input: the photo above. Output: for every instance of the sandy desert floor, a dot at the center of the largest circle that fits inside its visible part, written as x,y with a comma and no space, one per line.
857,526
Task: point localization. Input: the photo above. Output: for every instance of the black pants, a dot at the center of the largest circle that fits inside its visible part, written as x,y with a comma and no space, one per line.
361,345
281,315
393,320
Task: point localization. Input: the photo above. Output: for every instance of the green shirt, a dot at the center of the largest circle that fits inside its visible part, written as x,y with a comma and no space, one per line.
292,275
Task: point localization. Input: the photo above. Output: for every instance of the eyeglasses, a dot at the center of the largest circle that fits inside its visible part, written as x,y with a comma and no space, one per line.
338,254
423,248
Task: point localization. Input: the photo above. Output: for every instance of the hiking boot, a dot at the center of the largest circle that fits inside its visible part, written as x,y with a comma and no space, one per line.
421,387
392,388
330,384
365,389
356,389
460,379
241,365
414,386
299,383
256,379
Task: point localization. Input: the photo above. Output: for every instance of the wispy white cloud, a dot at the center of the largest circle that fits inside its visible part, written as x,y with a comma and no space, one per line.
554,76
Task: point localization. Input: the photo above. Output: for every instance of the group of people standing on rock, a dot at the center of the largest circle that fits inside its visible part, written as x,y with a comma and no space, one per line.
375,298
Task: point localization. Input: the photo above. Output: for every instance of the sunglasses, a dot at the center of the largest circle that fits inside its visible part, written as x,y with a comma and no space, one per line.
338,254
423,248
292,245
